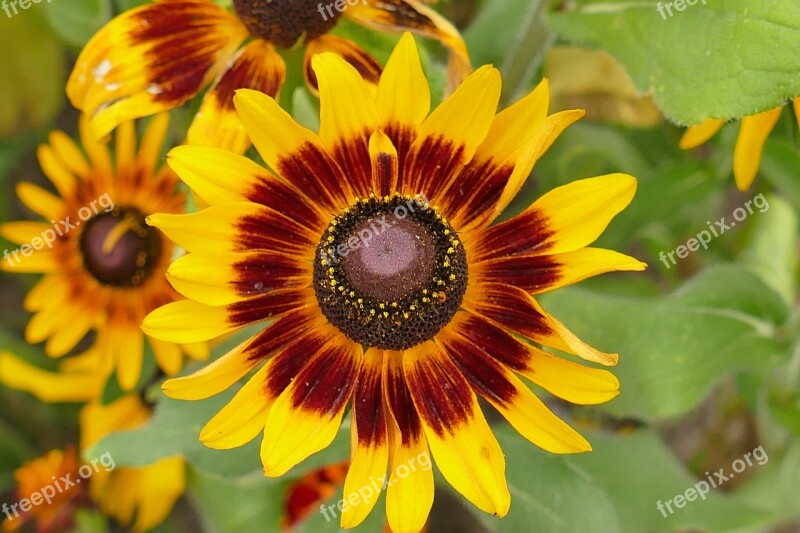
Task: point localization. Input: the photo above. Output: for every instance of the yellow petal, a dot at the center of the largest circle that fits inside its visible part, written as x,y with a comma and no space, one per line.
186,321
49,386
404,95
749,145
697,135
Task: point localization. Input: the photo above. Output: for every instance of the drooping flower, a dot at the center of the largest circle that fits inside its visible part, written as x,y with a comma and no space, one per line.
104,267
373,251
160,55
43,497
753,134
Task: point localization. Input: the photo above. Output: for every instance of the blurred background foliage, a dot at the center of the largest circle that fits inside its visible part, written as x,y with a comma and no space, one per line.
709,349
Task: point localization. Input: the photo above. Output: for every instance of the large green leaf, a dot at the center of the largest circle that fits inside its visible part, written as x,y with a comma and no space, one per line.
722,59
674,349
637,471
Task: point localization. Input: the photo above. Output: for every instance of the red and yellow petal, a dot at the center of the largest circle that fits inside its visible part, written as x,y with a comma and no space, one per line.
541,273
295,153
461,441
450,136
369,449
236,227
257,66
408,498
223,278
219,176
306,416
238,362
415,16
151,59
366,65
348,117
563,220
513,399
516,310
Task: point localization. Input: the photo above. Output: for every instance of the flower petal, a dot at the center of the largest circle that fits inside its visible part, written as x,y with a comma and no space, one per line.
238,362
749,145
296,153
348,117
370,442
50,387
257,66
408,499
563,220
151,59
415,16
513,308
219,176
542,273
366,65
306,416
697,135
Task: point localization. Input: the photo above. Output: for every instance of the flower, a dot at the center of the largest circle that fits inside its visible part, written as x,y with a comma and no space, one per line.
753,134
104,267
305,495
78,379
160,55
147,493
373,252
41,499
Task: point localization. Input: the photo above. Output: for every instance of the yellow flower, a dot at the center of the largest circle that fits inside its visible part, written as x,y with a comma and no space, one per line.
41,496
159,56
79,379
104,267
753,134
145,495
372,250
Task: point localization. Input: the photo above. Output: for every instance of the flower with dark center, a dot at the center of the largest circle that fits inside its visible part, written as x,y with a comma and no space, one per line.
159,56
104,266
407,309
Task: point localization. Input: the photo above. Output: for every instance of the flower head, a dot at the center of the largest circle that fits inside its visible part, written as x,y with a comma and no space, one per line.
104,267
49,504
373,250
160,55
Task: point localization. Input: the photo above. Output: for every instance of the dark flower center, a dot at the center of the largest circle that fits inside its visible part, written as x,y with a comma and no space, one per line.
284,22
390,273
119,248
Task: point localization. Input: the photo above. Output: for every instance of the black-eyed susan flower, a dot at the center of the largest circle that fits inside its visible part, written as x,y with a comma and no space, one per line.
142,496
104,266
305,495
43,497
160,55
753,134
373,250
78,379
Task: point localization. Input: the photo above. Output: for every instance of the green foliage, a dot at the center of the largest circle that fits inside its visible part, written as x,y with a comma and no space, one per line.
724,59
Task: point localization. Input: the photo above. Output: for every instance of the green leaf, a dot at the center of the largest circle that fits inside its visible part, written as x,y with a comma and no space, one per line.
772,253
33,73
77,20
549,493
637,471
724,59
674,349
243,506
